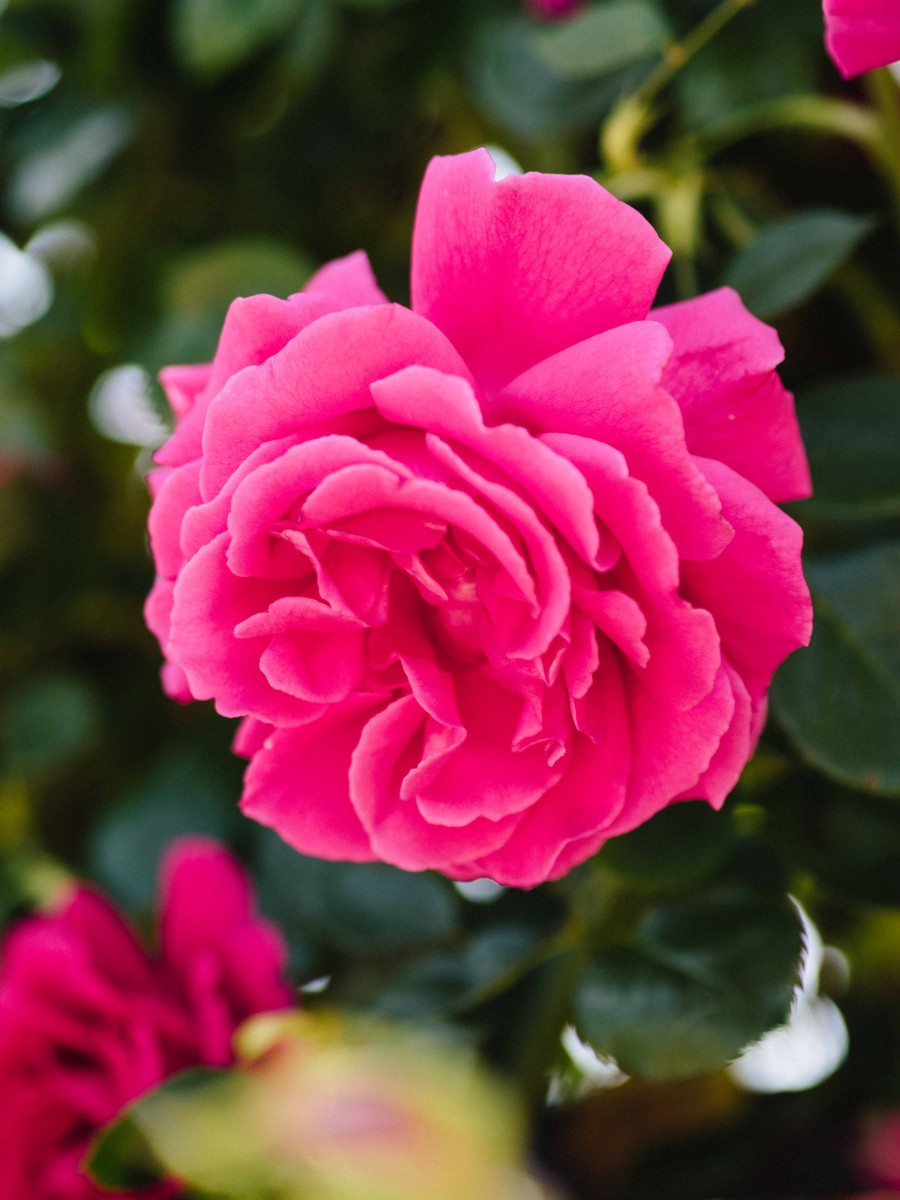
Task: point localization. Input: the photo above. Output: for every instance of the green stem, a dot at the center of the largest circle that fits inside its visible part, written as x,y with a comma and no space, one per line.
681,52
885,96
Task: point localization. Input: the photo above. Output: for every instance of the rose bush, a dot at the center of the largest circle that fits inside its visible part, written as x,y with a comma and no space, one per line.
89,1020
496,577
862,34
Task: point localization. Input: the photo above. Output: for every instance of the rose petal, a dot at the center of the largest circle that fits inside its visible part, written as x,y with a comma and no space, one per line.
736,409
540,261
298,785
324,373
756,587
861,35
608,389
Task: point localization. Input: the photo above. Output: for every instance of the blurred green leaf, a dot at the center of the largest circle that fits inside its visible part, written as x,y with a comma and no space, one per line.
49,722
769,52
517,88
200,287
206,281
453,979
603,38
66,158
375,5
122,1156
839,699
182,796
848,840
789,260
212,36
363,909
703,978
678,848
851,431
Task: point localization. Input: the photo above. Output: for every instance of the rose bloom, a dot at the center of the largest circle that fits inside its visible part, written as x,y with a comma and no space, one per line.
496,577
861,35
89,1020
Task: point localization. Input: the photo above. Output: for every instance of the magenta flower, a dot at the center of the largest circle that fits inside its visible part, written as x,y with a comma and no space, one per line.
861,35
879,1151
89,1020
498,577
554,8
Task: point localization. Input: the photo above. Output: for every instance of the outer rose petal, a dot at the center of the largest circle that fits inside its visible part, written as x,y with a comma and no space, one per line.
756,587
516,270
298,785
255,328
608,389
735,408
861,35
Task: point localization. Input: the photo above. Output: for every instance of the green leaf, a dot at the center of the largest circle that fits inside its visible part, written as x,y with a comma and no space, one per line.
182,796
851,431
517,88
846,839
442,983
702,979
128,1154
363,909
202,285
676,849
604,38
213,36
789,260
121,1158
47,724
839,699
65,157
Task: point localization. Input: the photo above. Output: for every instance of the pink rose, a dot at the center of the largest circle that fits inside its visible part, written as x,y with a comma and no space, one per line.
879,1151
497,577
89,1020
554,8
862,34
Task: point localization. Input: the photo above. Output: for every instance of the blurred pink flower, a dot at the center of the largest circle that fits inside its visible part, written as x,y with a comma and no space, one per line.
879,1151
497,578
861,35
554,8
89,1020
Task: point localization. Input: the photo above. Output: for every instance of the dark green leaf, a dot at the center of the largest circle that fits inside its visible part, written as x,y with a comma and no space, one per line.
122,1159
212,36
840,699
851,431
702,979
183,796
48,723
849,841
442,983
603,38
524,94
678,848
789,260
361,908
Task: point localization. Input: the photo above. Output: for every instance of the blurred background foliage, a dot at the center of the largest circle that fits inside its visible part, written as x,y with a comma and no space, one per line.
158,158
